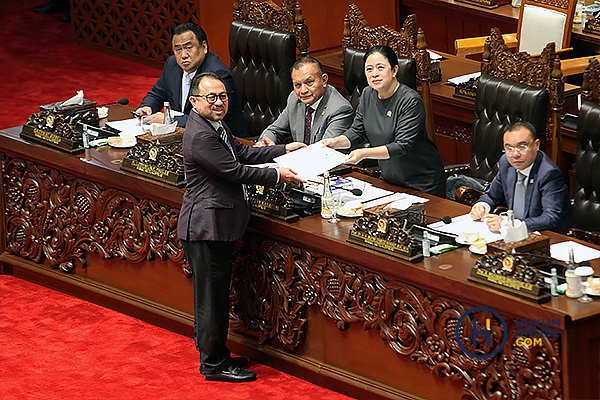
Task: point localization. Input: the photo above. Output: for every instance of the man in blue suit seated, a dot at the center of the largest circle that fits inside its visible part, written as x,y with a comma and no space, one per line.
191,57
544,202
314,110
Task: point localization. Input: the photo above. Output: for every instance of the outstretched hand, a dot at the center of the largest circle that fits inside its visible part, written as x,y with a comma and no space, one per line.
288,175
293,146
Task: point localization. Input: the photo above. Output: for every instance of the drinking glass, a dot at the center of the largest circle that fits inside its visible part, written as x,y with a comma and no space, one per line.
584,273
334,206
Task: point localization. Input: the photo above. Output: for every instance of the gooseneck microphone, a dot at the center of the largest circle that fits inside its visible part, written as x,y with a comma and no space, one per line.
122,101
445,218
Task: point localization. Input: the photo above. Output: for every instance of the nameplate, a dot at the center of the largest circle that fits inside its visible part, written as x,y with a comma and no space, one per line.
384,246
516,274
486,3
593,26
50,139
153,172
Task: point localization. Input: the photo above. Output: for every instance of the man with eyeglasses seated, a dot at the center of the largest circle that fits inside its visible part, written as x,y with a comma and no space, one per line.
544,203
191,57
314,110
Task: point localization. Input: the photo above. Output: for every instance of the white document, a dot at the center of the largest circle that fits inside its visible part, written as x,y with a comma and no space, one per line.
560,251
463,78
465,222
127,126
312,160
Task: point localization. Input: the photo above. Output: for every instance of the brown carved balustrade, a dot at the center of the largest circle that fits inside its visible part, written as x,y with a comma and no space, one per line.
55,219
274,284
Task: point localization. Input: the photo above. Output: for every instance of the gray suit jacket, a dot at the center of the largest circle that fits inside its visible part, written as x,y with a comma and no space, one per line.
213,205
333,116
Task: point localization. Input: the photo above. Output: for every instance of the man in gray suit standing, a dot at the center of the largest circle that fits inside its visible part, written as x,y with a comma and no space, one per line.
314,110
215,213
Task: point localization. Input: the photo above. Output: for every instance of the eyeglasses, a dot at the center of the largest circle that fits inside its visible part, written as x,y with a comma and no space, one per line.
212,98
519,149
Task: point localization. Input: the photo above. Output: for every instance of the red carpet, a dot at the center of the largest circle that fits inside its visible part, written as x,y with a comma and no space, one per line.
54,346
41,65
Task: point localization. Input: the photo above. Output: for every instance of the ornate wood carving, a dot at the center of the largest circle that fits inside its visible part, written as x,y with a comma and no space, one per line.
274,284
54,218
542,72
590,87
137,28
287,18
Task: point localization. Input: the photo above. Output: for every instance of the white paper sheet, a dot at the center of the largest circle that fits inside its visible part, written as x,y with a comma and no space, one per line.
560,251
463,78
311,161
465,222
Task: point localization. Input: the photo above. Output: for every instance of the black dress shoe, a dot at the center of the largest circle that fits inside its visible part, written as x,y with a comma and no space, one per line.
239,362
232,374
51,7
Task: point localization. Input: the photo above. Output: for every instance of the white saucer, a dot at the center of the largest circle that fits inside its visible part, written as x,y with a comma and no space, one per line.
478,250
461,239
124,145
350,214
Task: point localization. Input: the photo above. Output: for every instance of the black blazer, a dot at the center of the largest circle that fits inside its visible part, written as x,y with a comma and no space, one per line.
213,206
168,88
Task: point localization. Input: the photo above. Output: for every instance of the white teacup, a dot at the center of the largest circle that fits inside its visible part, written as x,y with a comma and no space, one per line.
470,236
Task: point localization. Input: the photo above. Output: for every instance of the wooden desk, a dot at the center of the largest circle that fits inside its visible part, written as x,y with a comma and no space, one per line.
303,299
443,21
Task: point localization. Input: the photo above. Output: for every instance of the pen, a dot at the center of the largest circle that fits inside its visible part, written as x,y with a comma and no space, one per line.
136,114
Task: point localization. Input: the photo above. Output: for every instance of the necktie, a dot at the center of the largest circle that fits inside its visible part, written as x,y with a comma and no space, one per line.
308,124
223,134
519,199
185,89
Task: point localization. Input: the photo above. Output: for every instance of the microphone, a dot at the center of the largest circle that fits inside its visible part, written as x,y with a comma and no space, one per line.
122,101
445,218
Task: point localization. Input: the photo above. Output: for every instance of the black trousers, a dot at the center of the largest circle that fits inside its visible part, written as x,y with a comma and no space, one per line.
211,263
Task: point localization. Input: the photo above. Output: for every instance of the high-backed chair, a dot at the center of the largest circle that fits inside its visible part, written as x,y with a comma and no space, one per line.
586,205
409,44
540,22
512,87
263,39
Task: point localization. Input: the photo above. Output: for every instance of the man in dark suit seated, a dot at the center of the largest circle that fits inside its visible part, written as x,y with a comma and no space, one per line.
529,183
191,57
314,110
215,213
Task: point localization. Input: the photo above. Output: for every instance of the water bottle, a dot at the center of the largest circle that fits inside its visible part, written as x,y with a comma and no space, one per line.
327,197
425,243
167,113
574,289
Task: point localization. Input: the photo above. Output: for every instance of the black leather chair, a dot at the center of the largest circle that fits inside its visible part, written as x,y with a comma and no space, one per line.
586,204
410,46
262,49
512,87
498,103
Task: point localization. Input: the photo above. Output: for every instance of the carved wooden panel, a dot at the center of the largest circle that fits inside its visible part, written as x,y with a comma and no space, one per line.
53,218
274,284
590,88
287,18
135,27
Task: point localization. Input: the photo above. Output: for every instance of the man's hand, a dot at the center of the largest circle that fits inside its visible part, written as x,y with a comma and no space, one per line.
146,110
338,142
493,222
478,212
293,146
288,175
266,141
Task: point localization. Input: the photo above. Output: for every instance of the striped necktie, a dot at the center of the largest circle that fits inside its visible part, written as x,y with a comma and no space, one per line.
308,124
223,134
